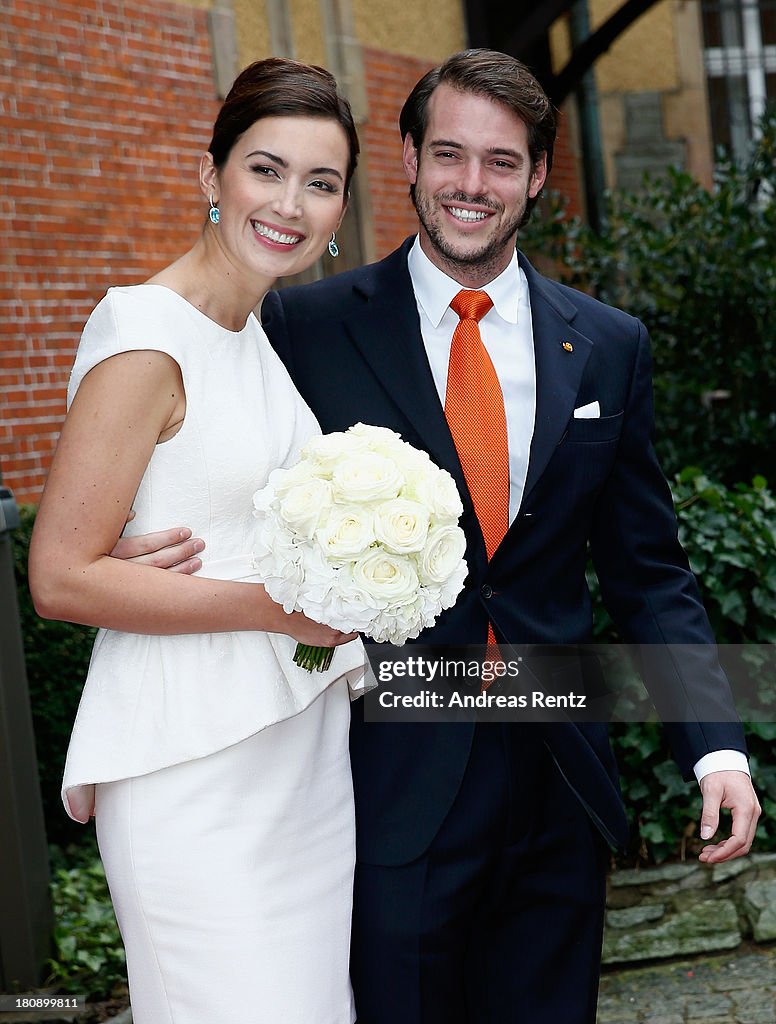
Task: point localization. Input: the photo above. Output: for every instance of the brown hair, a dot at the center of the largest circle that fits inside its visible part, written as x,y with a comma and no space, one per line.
498,77
278,87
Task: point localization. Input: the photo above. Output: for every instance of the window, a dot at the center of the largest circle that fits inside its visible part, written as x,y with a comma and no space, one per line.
740,56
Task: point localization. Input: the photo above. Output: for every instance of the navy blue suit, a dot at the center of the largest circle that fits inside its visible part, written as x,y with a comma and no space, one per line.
353,347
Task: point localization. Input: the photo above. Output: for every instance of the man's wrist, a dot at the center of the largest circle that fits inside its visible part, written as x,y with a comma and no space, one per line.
721,761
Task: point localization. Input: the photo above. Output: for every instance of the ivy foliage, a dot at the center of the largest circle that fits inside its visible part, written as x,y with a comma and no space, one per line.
730,534
88,952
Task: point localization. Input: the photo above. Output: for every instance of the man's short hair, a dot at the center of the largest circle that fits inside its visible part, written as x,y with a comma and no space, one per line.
496,76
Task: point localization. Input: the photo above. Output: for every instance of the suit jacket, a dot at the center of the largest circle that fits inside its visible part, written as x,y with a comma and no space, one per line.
353,347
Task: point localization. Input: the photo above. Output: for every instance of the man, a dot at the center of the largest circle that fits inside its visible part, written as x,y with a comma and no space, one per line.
482,848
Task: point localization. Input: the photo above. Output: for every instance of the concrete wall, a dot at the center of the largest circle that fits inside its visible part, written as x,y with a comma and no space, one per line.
652,92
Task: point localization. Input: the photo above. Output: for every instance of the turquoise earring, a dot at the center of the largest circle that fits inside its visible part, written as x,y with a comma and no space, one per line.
214,213
333,247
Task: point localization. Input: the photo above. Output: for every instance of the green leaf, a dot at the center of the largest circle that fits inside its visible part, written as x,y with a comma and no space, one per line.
653,832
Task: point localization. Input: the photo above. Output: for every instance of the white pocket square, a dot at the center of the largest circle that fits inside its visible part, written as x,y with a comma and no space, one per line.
588,412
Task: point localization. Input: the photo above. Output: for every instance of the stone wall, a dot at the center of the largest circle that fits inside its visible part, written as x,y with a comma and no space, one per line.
682,909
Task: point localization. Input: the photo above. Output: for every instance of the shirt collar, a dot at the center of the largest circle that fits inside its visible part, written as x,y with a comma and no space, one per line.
434,290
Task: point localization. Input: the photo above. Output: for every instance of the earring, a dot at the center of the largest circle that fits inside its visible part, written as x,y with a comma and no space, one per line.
333,247
214,213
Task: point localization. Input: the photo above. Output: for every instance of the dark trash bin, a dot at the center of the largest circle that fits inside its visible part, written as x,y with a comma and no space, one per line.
25,904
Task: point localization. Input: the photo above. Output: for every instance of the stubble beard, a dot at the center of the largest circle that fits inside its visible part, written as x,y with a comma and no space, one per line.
484,262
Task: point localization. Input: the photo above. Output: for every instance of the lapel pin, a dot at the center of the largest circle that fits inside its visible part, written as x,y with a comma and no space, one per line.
567,346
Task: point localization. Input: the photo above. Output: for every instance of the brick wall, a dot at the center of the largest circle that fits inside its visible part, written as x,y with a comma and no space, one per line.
105,108
565,173
389,80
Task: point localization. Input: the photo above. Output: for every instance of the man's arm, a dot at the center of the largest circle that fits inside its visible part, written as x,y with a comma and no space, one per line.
173,549
653,597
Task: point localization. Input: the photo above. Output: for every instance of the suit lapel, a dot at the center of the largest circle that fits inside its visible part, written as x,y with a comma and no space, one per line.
386,331
560,354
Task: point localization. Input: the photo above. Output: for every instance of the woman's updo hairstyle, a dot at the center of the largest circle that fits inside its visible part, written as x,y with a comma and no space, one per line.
278,87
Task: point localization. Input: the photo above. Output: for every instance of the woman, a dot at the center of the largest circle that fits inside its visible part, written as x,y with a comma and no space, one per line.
217,770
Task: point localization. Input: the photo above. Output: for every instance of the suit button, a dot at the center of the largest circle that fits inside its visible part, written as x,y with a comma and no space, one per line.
486,590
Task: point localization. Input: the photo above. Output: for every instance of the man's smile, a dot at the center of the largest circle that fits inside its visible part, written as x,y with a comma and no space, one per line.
467,216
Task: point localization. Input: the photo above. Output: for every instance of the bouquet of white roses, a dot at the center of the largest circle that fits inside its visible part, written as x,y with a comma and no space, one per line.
361,534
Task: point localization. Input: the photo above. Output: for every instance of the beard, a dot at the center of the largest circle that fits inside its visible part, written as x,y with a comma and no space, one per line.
483,257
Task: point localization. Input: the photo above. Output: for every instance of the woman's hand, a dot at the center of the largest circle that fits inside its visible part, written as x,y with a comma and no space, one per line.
314,634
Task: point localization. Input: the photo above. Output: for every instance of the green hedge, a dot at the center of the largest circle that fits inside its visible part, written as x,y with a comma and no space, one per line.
88,952
698,266
730,537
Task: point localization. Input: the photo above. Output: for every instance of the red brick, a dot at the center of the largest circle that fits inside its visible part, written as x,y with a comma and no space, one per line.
105,108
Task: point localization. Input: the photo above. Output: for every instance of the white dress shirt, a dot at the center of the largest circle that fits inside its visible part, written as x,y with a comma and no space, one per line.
507,334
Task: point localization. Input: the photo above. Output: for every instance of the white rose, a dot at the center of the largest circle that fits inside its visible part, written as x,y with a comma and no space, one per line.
401,525
415,466
376,437
438,492
442,555
385,578
387,442
324,451
301,507
366,476
347,532
283,480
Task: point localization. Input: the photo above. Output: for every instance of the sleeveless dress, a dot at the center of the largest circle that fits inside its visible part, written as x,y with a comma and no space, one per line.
218,771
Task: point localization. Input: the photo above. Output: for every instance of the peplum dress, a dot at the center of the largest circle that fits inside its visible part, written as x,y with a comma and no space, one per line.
217,770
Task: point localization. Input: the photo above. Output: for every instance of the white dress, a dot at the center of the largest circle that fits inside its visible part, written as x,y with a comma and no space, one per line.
217,770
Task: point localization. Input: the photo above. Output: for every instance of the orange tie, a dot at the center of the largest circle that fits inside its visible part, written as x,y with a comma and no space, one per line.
474,407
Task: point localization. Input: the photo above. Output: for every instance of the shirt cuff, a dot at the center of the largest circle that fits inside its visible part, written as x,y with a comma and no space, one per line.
721,761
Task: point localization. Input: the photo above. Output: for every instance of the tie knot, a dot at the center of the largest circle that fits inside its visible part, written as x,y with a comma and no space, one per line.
471,305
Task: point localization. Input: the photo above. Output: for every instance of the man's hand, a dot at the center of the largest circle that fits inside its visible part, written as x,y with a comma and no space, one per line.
734,791
172,549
